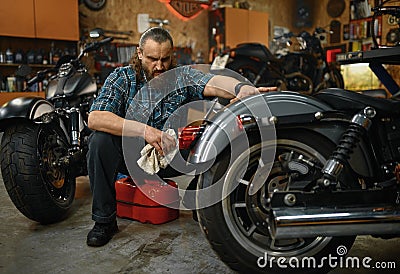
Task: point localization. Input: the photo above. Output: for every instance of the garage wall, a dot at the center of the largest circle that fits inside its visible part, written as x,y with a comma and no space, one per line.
122,15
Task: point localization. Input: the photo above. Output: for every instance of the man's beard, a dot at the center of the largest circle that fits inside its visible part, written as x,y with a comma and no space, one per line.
151,74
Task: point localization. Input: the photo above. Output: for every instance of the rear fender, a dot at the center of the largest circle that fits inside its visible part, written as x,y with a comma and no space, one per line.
268,109
224,128
23,108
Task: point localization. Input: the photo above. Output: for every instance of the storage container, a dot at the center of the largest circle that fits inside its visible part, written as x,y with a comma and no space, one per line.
154,202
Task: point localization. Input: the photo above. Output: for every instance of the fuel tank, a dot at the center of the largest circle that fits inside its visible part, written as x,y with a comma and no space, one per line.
71,83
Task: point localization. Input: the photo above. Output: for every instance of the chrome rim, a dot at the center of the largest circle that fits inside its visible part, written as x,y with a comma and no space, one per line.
51,147
247,215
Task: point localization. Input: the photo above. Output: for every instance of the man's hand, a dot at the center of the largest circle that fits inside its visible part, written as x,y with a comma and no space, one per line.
267,89
160,140
248,90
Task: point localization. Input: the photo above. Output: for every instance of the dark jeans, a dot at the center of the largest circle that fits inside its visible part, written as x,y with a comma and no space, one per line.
105,160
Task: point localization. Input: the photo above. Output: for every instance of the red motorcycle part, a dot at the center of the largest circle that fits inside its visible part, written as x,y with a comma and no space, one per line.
188,135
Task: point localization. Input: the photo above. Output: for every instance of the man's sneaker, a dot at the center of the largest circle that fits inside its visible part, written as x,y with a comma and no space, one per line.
101,233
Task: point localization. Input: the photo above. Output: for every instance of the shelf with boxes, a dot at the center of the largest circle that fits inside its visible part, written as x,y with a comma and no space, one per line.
363,25
111,56
360,32
36,54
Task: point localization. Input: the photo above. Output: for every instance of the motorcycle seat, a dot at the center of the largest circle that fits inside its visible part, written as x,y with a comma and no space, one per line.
256,50
342,99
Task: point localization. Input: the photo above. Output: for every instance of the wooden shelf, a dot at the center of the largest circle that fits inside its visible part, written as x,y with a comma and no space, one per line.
31,65
7,96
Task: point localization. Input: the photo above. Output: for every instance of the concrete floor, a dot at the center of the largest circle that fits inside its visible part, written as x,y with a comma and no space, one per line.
174,247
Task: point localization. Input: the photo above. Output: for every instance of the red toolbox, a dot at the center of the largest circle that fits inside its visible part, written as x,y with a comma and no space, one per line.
154,202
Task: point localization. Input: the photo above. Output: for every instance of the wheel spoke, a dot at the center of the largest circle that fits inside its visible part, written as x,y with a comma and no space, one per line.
51,148
284,245
261,162
254,178
239,205
251,230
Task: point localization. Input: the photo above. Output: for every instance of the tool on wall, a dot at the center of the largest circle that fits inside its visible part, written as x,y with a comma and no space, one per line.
143,22
160,22
98,32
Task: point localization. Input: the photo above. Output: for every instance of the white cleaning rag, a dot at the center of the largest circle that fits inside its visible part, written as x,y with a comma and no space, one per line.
151,161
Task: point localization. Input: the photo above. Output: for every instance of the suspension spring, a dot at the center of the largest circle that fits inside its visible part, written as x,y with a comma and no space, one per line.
360,123
75,133
347,143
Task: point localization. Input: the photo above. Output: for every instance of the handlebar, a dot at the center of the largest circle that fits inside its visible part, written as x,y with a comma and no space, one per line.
303,34
285,35
97,45
93,47
390,10
40,76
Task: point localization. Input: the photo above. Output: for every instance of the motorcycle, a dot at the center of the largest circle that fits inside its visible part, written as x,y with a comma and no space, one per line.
305,71
44,144
289,188
331,173
292,179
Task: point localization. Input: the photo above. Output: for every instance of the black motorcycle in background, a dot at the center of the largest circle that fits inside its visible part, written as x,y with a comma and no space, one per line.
44,145
305,71
311,61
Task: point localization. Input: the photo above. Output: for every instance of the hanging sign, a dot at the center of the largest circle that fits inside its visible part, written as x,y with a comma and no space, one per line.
186,9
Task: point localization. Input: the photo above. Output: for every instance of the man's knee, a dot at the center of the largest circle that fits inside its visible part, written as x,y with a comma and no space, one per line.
101,142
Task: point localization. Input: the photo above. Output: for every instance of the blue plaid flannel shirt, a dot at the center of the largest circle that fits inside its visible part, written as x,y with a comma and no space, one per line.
154,102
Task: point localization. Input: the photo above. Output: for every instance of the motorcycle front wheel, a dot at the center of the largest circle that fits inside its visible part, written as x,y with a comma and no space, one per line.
237,227
37,184
335,80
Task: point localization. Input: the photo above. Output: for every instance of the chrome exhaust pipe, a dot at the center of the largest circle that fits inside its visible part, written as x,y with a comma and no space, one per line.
287,223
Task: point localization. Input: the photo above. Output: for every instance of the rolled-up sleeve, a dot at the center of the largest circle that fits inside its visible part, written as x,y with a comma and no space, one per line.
196,80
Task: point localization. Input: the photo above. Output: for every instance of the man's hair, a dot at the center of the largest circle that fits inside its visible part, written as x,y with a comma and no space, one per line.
158,35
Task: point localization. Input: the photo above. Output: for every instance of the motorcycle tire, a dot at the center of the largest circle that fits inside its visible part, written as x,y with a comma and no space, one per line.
336,80
40,189
236,229
250,69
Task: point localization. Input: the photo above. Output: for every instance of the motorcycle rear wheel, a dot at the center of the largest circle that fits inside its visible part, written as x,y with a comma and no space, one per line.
40,189
236,229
